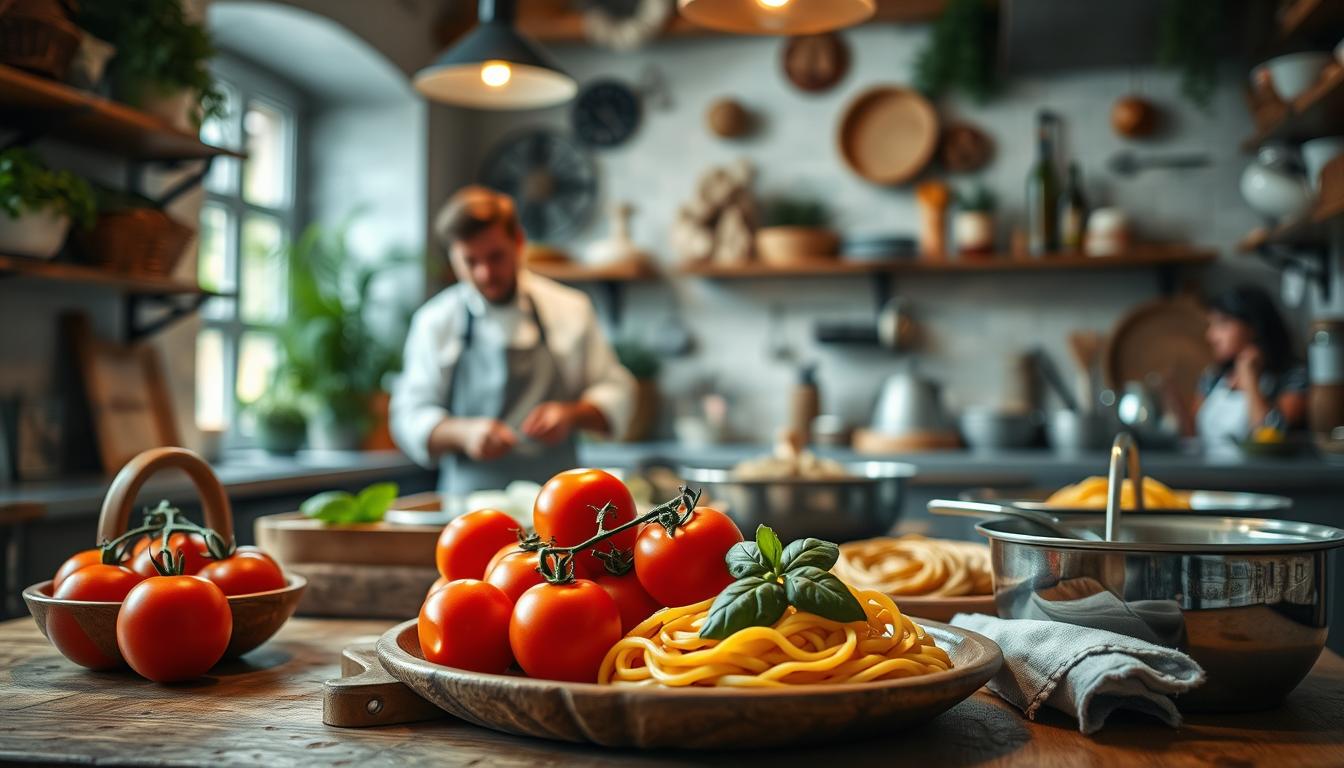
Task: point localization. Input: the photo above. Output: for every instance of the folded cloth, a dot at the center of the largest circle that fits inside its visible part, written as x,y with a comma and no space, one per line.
1086,673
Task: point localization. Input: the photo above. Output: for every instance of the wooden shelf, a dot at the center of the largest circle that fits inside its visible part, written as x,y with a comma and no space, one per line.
34,104
90,275
575,272
1312,229
1318,112
1318,22
1146,256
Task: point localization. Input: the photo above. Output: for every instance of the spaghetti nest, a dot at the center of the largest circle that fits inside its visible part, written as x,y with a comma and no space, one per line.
800,649
915,566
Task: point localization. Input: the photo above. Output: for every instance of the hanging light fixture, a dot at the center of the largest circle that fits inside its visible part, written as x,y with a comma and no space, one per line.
495,67
776,17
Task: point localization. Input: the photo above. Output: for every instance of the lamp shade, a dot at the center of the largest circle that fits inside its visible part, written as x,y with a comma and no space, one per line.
776,17
494,67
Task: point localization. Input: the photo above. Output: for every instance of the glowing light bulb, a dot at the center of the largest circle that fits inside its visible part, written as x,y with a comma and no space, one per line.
496,74
773,4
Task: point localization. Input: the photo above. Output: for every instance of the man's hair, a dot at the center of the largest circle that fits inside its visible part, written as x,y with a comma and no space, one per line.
472,210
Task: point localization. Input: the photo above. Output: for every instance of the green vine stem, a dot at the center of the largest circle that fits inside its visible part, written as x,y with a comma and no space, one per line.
165,520
556,564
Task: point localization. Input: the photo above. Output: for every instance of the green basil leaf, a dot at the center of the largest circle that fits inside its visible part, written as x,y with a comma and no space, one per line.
331,507
769,544
816,591
374,501
745,559
747,602
804,553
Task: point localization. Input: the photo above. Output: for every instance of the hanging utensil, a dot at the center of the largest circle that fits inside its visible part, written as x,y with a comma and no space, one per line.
1126,163
1046,367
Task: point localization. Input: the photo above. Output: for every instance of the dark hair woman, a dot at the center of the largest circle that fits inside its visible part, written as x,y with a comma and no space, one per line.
1256,380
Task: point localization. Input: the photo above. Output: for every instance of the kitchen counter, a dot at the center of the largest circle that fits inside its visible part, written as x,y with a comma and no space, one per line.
267,710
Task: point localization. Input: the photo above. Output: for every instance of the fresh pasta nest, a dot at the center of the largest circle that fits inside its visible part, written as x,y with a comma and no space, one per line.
799,649
1091,494
911,566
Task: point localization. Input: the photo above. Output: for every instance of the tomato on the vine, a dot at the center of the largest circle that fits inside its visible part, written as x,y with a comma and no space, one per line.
563,631
95,583
467,543
174,628
195,556
565,510
631,598
76,562
687,567
244,573
465,624
515,573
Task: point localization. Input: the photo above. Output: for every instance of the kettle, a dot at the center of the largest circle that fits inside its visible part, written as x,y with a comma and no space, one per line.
908,404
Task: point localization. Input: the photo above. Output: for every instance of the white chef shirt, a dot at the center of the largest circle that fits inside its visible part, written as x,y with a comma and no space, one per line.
589,370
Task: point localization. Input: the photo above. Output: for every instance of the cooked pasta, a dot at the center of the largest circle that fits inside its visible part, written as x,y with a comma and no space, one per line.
800,649
915,566
1091,494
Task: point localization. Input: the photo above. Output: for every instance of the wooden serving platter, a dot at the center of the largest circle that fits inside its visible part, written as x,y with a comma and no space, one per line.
293,538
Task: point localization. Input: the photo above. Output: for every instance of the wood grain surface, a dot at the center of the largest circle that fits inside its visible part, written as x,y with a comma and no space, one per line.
267,710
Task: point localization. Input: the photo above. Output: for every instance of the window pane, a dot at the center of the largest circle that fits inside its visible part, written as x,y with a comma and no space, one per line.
213,265
211,382
258,354
266,170
263,291
224,132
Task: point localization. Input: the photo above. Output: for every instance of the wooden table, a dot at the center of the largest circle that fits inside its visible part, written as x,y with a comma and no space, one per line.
267,710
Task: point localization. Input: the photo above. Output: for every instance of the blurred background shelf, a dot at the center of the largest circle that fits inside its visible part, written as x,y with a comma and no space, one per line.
1311,22
152,285
575,272
1318,112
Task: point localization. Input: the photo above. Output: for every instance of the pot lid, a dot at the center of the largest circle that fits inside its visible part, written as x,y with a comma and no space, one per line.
1166,532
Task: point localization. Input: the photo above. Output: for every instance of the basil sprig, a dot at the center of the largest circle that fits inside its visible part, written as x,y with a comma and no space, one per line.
771,577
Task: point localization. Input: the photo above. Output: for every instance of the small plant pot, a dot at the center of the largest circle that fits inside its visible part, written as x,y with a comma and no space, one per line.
282,437
330,431
973,232
791,245
645,417
38,234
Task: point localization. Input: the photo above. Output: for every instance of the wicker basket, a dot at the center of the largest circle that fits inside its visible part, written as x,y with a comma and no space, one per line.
138,240
38,36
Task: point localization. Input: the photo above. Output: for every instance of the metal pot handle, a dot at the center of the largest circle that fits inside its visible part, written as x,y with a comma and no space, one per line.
1124,461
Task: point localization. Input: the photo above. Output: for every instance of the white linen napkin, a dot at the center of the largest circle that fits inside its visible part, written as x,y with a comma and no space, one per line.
1086,673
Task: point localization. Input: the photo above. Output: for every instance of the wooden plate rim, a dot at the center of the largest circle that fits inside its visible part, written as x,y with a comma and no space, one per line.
862,99
297,583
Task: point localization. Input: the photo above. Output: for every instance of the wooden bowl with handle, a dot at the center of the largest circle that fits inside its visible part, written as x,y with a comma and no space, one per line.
255,617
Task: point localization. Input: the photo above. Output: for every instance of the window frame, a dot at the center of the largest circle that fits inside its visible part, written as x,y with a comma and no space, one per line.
253,85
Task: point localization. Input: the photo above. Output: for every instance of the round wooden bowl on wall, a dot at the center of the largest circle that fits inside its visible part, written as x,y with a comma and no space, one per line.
888,134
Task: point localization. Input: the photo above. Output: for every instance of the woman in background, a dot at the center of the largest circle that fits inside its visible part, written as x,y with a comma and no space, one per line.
1256,380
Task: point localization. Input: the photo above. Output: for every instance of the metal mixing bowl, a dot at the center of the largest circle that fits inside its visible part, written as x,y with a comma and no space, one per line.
1245,597
861,506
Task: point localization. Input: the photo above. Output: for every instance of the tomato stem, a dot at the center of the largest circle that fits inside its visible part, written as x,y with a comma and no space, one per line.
556,564
165,520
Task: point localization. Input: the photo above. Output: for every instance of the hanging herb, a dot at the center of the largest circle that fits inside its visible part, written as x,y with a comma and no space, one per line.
771,577
961,53
1188,42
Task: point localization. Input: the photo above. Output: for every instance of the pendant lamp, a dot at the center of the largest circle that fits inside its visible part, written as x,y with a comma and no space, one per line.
495,67
776,17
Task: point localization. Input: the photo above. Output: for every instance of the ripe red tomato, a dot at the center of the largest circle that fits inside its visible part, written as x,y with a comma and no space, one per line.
688,567
192,546
467,543
633,601
77,561
244,573
255,550
515,573
509,548
465,624
563,631
565,511
174,628
435,587
95,583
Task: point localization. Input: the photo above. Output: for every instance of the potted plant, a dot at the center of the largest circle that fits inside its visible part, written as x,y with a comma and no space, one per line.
39,204
281,426
973,226
643,364
796,230
334,357
162,59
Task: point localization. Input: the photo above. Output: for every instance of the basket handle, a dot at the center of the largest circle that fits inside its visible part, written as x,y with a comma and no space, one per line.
116,513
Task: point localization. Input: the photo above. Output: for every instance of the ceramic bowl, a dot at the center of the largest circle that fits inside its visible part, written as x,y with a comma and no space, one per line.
1294,73
1317,152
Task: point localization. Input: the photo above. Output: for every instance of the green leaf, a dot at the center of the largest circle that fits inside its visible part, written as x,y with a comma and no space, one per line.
814,590
374,501
745,559
769,544
747,602
814,553
331,507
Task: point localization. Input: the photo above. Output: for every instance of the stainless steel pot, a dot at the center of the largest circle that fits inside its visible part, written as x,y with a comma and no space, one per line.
863,505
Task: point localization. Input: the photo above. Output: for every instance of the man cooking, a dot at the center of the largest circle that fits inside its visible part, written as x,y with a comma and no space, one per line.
504,367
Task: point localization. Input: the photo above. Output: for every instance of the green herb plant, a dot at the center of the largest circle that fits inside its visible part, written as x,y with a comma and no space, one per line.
771,577
960,55
978,198
28,185
796,212
158,47
642,362
1188,39
368,506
